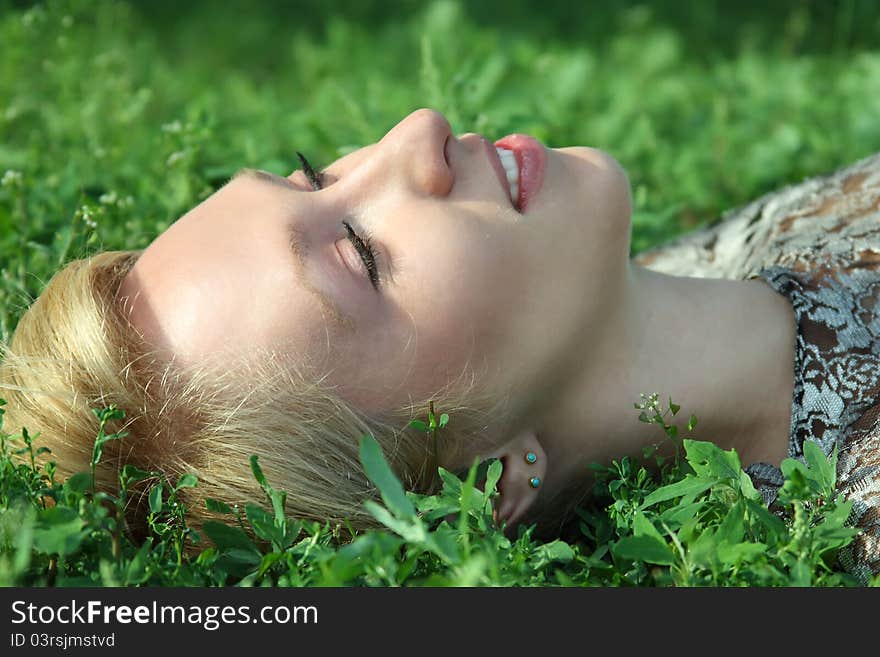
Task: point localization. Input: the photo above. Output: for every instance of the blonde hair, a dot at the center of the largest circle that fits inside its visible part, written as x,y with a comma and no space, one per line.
73,350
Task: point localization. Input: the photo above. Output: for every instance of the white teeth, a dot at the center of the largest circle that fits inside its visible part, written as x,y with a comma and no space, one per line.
508,161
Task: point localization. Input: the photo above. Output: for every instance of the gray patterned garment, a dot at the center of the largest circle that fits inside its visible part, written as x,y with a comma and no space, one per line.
818,244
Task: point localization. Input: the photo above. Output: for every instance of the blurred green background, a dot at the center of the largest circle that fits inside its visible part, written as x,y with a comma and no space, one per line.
116,117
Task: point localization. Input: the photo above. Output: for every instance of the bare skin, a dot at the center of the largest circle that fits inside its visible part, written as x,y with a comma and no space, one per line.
724,349
544,304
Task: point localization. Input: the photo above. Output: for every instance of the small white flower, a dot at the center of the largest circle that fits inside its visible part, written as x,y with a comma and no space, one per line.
173,128
87,213
11,178
174,158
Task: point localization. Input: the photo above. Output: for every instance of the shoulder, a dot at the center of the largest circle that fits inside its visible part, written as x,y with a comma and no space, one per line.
829,221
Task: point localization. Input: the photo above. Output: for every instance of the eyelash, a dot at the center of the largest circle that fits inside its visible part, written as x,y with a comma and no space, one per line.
365,249
364,246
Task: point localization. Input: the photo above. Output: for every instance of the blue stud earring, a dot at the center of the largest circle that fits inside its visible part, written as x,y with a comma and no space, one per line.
531,457
534,482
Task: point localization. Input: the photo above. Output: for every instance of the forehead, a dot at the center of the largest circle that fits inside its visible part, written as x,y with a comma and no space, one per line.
226,277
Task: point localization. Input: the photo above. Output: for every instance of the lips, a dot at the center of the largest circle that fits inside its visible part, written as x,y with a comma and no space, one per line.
497,166
531,158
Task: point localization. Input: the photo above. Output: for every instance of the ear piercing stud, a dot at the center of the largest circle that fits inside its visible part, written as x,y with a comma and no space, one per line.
534,482
530,457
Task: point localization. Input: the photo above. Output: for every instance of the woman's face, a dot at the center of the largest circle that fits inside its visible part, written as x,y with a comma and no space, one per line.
466,282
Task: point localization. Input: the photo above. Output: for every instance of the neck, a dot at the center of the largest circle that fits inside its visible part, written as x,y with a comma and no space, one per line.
721,349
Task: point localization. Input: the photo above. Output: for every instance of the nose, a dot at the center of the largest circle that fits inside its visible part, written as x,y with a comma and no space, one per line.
415,147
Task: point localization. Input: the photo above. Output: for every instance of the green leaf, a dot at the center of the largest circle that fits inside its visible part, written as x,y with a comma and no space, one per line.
493,476
822,470
78,483
646,544
644,527
59,530
227,537
702,547
263,523
732,526
258,472
445,544
419,425
556,551
451,483
739,552
410,529
432,507
796,485
156,498
109,413
187,481
217,506
242,556
690,485
136,571
801,574
278,499
678,515
747,488
709,460
468,497
269,560
643,548
834,533
444,420
379,472
98,449
132,473
771,522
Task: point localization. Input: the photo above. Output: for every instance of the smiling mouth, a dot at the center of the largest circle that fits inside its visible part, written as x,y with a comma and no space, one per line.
511,171
525,174
506,170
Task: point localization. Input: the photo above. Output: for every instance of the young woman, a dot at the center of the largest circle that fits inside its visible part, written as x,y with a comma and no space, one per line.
288,316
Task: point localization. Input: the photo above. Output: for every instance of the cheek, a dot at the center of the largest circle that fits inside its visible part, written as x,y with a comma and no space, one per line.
454,284
459,302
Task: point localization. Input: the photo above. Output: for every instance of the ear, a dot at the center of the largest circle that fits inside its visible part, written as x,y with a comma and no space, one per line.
516,491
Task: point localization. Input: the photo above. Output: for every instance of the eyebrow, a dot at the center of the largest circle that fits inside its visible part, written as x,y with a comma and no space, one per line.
298,247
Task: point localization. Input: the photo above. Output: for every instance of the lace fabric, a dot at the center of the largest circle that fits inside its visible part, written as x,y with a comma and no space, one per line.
818,244
836,399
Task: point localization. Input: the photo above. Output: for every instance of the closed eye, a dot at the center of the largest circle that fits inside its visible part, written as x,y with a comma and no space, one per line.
365,249
362,245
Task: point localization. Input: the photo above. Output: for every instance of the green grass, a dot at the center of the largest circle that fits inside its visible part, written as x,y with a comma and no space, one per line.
114,120
698,521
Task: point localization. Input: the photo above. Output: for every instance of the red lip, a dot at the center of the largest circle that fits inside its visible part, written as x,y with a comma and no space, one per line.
495,161
531,158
